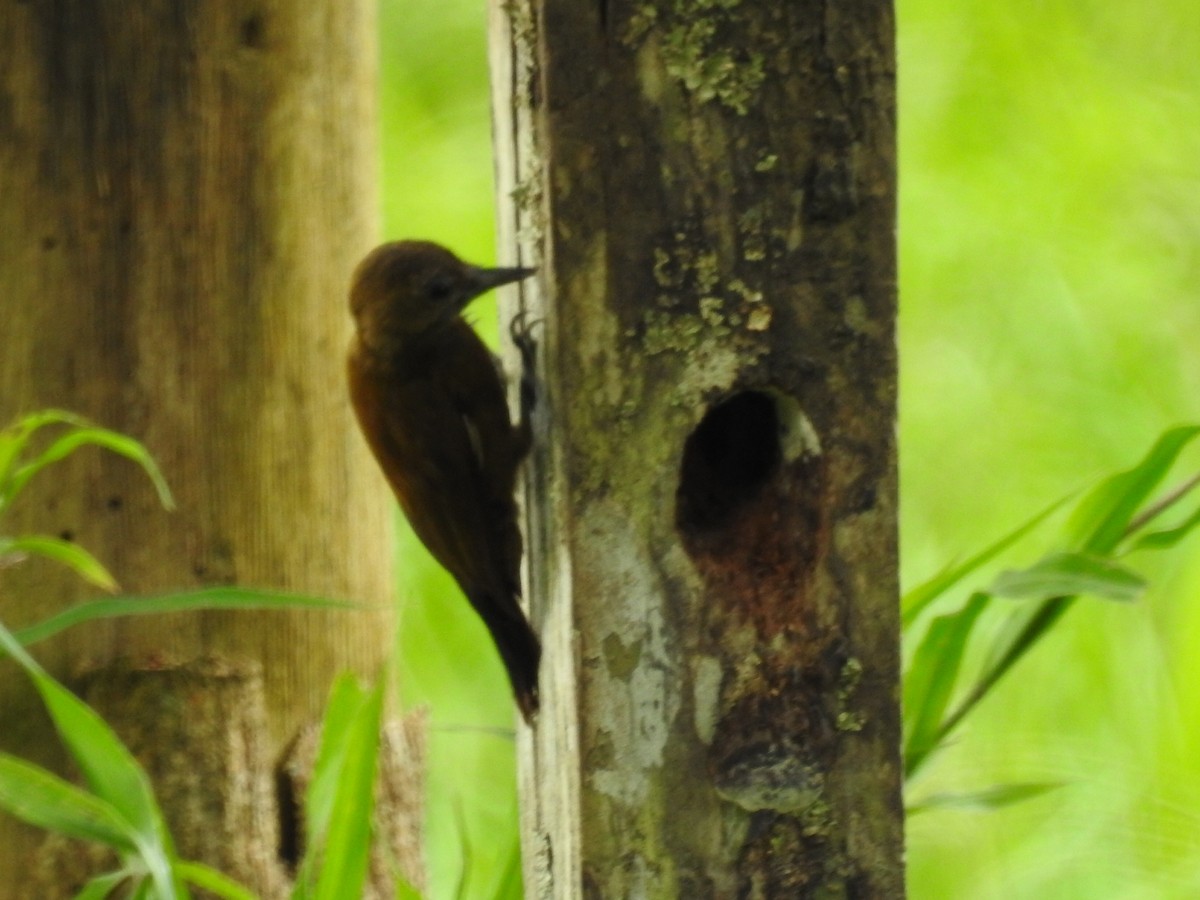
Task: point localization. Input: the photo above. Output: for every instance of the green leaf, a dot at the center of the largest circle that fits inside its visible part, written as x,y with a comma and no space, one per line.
346,851
1026,630
41,798
931,678
1006,653
108,767
65,552
205,599
511,883
346,698
1100,522
114,775
1169,537
15,437
93,435
988,799
405,891
211,880
1068,574
1103,516
102,886
916,600
345,702
465,851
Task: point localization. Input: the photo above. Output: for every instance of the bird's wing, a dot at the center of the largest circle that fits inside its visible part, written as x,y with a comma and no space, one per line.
476,387
425,450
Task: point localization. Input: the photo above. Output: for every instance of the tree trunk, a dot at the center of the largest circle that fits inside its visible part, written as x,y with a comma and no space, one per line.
186,188
709,191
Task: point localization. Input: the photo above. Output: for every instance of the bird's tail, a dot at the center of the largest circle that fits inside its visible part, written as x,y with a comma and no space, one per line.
519,649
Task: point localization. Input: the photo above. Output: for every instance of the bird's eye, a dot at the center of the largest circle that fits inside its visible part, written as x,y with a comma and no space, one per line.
439,287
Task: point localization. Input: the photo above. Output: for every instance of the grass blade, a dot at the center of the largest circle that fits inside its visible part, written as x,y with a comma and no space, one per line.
15,437
345,702
93,435
1068,574
1008,655
1103,516
916,600
209,879
191,601
346,853
108,767
41,798
987,799
405,891
102,886
71,555
1168,537
346,699
511,884
931,678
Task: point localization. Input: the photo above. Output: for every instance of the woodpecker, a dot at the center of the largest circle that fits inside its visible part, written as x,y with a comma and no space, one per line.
430,400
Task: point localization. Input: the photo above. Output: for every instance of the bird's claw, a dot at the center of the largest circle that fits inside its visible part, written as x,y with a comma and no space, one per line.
520,330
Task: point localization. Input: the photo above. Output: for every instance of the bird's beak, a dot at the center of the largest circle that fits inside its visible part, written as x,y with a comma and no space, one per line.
483,280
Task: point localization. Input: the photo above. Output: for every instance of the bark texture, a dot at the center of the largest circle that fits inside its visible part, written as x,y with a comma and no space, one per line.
709,190
186,188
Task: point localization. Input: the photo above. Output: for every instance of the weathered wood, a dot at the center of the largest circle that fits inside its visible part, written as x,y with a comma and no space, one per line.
709,190
185,189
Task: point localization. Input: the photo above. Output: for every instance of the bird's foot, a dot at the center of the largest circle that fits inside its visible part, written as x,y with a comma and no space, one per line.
520,330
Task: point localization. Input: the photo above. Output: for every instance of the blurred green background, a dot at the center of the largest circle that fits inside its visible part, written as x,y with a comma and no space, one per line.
1049,258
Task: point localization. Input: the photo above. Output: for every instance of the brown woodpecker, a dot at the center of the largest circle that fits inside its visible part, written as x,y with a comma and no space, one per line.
430,400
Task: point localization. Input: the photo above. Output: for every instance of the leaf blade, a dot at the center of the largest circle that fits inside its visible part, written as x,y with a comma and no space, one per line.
1167,537
49,802
988,799
930,681
75,557
1067,574
192,601
1103,516
917,599
102,886
107,766
212,880
94,435
348,841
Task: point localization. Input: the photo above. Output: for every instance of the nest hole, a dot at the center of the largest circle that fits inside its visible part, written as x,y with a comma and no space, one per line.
727,459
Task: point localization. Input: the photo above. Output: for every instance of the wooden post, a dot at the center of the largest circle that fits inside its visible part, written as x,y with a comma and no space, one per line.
186,189
708,189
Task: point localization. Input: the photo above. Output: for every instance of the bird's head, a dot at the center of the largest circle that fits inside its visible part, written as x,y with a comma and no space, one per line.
408,289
